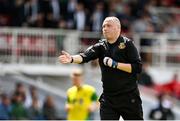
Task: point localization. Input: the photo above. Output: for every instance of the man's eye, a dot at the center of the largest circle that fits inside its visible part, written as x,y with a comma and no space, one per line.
108,25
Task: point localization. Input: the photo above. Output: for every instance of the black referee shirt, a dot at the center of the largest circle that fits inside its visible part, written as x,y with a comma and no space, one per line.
123,50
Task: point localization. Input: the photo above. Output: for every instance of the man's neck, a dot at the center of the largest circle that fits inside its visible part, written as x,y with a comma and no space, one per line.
111,41
79,86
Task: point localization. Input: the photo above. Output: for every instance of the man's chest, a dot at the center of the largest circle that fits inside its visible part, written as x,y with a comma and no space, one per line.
80,97
117,52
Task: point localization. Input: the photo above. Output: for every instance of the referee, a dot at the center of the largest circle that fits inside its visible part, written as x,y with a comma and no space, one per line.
120,64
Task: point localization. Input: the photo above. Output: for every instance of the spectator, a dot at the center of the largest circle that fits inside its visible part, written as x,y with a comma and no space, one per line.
62,24
5,12
141,24
31,13
98,17
173,24
172,87
20,89
52,12
18,110
112,9
71,8
145,78
80,18
164,109
55,9
5,107
126,18
33,94
18,13
49,109
34,112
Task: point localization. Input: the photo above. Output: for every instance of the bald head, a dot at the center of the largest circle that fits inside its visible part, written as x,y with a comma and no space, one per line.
115,20
111,28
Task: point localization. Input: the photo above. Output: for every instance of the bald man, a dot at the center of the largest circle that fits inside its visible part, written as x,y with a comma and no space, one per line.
120,64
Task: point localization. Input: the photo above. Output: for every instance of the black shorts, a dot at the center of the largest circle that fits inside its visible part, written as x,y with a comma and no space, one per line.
128,105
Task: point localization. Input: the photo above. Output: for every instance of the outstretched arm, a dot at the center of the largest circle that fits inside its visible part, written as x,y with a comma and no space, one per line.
90,54
65,58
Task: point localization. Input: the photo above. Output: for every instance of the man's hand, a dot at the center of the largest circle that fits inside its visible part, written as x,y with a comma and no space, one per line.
93,107
107,61
110,62
65,58
68,107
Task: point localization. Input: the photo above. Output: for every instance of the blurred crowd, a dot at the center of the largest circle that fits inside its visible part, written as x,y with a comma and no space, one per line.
163,110
167,94
172,87
20,106
88,15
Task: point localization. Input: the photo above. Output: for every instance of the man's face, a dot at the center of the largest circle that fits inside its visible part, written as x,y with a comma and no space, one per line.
110,29
18,98
21,89
77,79
6,101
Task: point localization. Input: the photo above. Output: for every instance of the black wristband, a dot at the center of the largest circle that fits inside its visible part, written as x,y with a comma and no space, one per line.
72,59
114,64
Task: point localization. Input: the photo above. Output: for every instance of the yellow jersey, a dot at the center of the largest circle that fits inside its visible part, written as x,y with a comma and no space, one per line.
79,100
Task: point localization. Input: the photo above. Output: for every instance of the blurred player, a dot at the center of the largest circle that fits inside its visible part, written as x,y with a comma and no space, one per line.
120,64
81,98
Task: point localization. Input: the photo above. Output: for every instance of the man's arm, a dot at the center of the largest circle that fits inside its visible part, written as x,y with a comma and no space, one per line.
134,58
90,54
125,67
77,59
67,58
134,65
94,105
68,105
121,66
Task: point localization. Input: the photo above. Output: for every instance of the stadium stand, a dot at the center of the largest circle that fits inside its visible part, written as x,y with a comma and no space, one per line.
33,33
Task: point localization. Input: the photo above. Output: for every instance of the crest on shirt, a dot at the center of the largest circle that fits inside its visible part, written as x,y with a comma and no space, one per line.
122,45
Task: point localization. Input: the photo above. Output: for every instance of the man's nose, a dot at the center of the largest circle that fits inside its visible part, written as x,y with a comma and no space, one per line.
105,29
